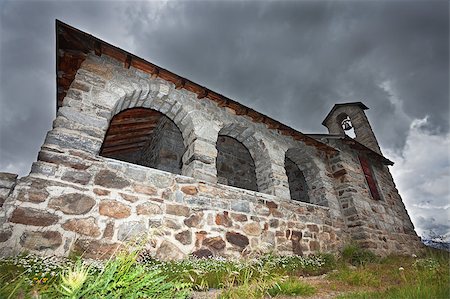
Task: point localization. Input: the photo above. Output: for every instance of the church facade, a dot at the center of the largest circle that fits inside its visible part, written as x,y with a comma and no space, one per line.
137,151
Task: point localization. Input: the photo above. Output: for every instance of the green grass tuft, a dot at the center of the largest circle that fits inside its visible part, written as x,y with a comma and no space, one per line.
292,287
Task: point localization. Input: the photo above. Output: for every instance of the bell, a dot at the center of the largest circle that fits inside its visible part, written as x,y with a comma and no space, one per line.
347,124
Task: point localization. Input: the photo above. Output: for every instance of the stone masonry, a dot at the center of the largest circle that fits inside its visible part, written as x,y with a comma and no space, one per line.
77,200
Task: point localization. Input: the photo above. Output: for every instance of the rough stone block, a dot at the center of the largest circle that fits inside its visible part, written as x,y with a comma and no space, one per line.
144,189
7,180
237,239
72,203
148,209
41,240
96,249
184,237
167,251
132,230
109,179
30,216
114,209
252,229
84,226
77,177
194,220
178,210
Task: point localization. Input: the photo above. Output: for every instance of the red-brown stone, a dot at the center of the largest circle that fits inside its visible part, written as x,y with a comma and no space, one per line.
223,219
149,190
189,190
114,209
194,220
129,197
101,192
178,210
30,216
238,217
86,226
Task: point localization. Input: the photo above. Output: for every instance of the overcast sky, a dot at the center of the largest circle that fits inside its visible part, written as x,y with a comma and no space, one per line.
290,60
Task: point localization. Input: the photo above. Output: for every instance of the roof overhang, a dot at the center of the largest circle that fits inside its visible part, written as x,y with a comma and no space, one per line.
355,145
73,45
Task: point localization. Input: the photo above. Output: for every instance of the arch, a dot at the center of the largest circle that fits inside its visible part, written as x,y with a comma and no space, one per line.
145,137
150,99
258,152
235,165
318,185
298,188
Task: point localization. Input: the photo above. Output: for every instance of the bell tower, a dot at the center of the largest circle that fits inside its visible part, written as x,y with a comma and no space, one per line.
350,116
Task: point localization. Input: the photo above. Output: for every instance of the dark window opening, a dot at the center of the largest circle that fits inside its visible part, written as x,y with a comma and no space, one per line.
235,165
145,137
297,183
370,179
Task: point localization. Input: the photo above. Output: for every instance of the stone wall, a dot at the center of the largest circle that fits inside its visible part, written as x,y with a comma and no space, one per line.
93,210
381,225
76,200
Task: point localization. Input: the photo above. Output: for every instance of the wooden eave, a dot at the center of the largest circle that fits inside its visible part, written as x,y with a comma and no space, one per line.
73,45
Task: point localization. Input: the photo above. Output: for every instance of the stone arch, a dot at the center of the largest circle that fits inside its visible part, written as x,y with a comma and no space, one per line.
319,186
258,152
145,137
130,93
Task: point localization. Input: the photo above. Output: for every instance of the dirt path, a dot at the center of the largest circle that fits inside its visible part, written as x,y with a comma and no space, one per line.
325,290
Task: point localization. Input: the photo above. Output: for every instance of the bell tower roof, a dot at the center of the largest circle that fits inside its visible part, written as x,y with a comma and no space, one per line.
359,104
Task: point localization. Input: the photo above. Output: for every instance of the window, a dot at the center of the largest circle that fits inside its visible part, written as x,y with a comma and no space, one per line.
370,179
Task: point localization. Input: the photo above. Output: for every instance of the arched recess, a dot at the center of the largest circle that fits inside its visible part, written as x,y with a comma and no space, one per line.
298,188
316,183
235,165
245,136
156,123
145,137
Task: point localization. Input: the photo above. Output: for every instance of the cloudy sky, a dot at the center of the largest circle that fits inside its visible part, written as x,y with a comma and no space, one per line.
291,60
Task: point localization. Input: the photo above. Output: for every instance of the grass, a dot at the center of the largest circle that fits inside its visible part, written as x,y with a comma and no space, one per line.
427,276
121,277
356,274
292,287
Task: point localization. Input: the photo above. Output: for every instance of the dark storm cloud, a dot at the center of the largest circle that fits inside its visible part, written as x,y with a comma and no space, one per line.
27,70
290,60
306,56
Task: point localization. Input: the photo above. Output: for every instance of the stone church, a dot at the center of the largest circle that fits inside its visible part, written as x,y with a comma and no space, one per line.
136,149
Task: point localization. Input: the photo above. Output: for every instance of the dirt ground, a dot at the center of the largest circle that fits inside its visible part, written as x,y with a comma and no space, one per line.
325,290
